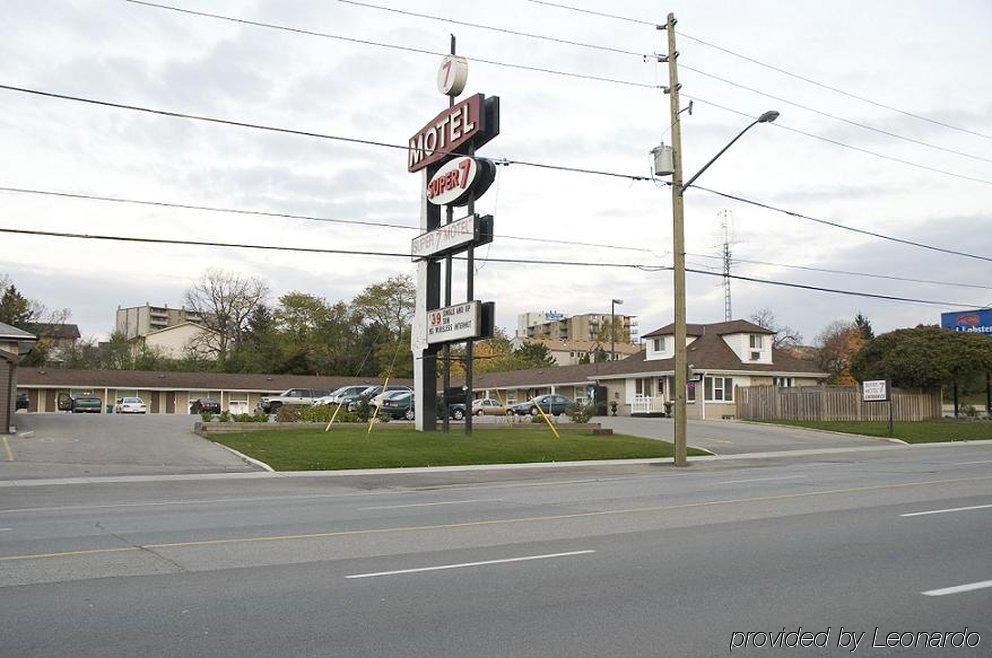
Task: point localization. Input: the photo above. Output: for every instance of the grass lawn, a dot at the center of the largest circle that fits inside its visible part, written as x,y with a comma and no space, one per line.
350,447
927,431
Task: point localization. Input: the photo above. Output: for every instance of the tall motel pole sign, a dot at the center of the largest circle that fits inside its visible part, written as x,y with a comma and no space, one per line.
452,180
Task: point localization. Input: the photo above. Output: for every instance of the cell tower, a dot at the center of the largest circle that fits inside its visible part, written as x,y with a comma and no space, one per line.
725,225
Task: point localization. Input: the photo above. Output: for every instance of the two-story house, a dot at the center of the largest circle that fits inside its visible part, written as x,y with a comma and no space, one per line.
721,356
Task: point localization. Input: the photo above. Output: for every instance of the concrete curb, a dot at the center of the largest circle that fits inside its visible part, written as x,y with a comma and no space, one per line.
245,458
816,429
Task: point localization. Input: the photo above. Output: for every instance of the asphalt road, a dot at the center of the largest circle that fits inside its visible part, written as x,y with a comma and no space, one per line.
624,560
52,445
729,437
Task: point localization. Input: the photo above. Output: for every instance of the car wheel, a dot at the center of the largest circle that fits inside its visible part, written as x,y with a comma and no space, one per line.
457,414
409,414
534,411
557,414
480,413
274,407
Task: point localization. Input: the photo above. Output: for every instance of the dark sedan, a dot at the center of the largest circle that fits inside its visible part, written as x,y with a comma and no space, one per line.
23,401
553,405
398,405
87,405
199,405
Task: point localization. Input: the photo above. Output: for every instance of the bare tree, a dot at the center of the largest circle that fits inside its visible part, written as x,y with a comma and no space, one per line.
225,301
785,336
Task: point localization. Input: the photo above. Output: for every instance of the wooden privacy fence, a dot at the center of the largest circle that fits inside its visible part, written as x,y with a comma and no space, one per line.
832,403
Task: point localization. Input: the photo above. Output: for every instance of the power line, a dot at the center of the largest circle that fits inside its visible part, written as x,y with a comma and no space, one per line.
827,222
304,133
835,142
518,261
503,161
873,275
851,122
392,46
492,28
772,67
264,213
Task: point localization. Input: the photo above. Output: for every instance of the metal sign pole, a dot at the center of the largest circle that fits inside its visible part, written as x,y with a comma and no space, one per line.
469,296
446,379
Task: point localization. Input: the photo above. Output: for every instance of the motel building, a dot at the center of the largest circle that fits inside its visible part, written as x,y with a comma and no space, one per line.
723,356
165,392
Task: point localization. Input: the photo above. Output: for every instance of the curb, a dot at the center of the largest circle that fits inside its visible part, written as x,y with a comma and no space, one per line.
245,458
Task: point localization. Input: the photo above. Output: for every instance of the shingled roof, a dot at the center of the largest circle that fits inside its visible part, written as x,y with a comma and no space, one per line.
717,328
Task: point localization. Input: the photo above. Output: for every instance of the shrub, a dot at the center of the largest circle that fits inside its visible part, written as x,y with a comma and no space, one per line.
969,410
323,414
580,413
207,416
288,414
225,416
257,417
364,411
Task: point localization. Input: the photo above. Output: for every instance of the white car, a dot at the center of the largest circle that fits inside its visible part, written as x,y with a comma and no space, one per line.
130,406
340,394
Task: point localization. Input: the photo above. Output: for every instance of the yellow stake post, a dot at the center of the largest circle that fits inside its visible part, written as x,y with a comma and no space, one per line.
546,419
372,418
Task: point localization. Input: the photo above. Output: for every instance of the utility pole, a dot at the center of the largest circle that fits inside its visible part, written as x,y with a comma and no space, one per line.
725,225
678,252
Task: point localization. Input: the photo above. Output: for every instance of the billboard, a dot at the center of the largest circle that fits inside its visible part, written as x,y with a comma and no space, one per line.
978,321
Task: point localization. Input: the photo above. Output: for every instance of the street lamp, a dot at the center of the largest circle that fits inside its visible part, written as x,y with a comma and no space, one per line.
678,239
613,327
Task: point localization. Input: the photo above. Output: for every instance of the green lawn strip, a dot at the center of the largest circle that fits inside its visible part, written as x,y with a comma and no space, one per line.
351,447
927,431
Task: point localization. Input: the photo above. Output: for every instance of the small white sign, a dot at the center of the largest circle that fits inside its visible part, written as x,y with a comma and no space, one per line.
444,239
875,390
452,75
454,323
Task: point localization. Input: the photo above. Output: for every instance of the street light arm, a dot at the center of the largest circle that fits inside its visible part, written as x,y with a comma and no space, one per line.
722,151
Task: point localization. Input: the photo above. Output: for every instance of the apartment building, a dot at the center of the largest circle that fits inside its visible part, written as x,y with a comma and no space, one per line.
579,327
137,321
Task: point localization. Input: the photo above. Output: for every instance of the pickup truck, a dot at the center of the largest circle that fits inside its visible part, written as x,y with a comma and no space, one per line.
271,404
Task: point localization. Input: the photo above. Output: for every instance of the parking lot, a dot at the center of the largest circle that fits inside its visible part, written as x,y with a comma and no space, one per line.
67,445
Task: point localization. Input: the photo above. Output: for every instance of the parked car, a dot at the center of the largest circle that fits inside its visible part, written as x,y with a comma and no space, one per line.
370,394
85,405
550,404
130,406
23,401
271,404
488,407
199,405
398,404
337,396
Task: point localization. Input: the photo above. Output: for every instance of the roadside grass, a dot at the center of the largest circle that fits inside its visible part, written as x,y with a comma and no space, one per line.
351,447
926,431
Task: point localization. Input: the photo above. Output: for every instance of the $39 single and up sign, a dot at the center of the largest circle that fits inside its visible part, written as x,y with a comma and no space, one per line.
458,179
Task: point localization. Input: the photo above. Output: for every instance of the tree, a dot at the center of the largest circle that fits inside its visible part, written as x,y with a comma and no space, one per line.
225,302
923,357
390,304
533,355
785,336
864,326
837,344
15,308
610,329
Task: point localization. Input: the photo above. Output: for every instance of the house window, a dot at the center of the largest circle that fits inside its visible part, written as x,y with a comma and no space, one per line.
787,382
756,341
755,356
642,387
719,389
659,344
690,391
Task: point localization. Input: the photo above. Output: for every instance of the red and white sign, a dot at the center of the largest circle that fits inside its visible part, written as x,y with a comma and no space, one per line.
457,179
454,323
452,75
447,131
454,237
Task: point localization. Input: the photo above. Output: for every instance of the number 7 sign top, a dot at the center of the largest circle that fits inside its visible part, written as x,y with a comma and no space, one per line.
452,75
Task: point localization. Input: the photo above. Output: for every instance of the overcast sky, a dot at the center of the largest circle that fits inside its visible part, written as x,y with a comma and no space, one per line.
924,57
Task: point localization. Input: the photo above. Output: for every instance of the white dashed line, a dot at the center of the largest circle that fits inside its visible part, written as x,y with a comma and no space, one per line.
470,564
958,589
950,509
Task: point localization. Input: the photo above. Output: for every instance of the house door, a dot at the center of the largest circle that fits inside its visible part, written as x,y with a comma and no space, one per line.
170,402
153,402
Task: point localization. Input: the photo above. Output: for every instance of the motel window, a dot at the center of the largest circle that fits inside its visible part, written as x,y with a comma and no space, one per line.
756,341
719,389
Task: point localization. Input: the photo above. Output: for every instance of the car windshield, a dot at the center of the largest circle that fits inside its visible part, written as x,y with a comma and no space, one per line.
371,390
397,395
132,400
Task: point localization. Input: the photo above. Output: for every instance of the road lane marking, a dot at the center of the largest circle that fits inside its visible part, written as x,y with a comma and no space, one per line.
983,461
491,522
442,567
784,477
950,509
957,589
5,529
443,502
7,450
